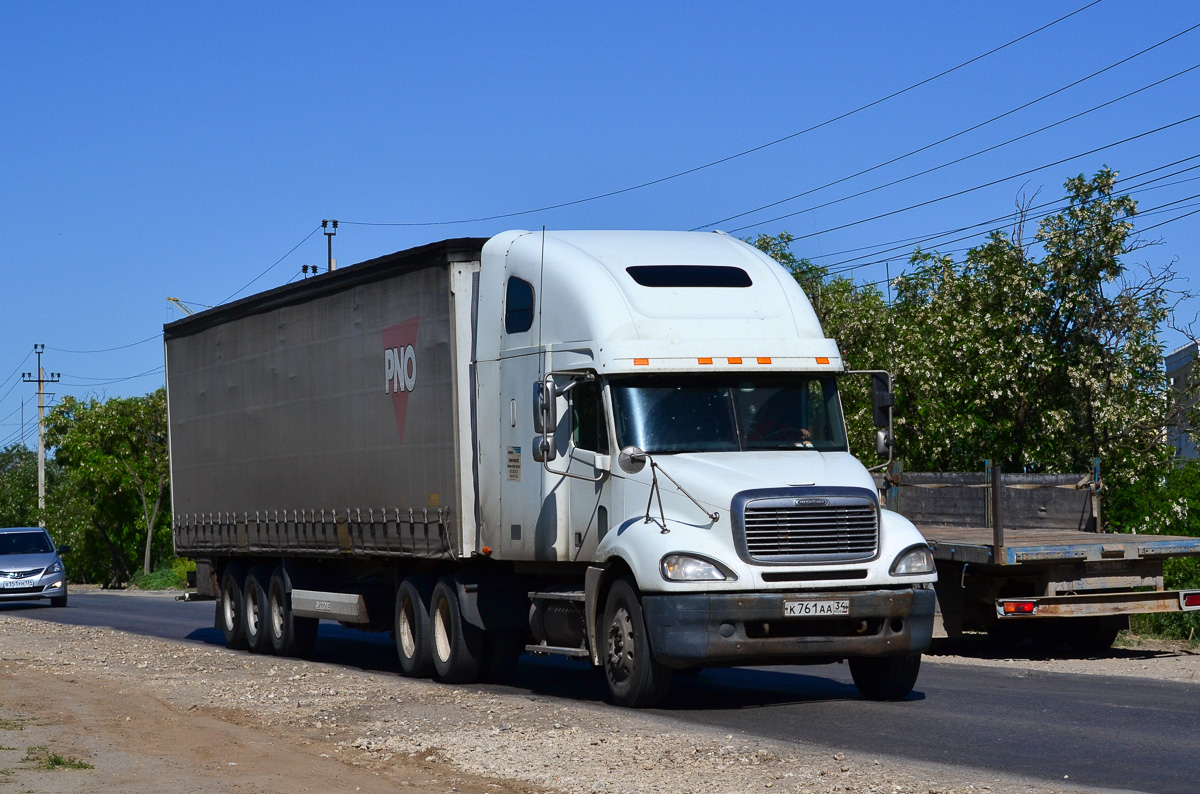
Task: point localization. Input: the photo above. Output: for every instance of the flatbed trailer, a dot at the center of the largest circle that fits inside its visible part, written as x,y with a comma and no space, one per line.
1024,556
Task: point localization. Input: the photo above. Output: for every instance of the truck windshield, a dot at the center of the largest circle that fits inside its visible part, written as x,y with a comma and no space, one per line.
712,413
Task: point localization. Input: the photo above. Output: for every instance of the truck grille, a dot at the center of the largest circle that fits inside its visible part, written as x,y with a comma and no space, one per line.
826,529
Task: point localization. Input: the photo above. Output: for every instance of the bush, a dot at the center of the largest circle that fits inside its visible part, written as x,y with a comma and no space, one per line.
169,575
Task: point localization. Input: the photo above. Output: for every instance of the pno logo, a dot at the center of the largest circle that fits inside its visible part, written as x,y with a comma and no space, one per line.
400,367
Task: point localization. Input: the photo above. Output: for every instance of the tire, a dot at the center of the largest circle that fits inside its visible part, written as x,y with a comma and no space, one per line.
413,633
885,677
635,678
501,652
457,645
229,610
290,635
59,601
254,612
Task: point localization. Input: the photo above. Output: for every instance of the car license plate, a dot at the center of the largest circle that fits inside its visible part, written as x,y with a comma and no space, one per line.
12,584
809,609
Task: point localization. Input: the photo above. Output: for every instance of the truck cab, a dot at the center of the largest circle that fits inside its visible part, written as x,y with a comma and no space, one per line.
658,416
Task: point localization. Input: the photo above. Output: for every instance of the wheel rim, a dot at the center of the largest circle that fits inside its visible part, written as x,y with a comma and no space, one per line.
408,640
620,646
251,614
277,616
229,608
441,630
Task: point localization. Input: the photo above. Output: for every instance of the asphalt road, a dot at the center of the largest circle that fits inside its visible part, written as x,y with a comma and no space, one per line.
1123,733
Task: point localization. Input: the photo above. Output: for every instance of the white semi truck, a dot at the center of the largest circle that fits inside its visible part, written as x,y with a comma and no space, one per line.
625,447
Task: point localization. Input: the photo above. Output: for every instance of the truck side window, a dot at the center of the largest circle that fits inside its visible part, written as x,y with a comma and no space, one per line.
588,430
518,306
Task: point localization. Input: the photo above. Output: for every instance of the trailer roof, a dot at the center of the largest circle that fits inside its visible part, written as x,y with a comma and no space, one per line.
459,249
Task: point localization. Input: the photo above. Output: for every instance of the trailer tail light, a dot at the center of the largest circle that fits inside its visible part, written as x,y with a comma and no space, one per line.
1020,607
822,360
1190,600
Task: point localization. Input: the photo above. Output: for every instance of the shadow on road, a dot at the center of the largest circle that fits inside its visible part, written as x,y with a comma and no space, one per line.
980,646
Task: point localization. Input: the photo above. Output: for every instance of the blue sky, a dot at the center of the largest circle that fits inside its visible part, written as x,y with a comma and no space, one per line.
150,150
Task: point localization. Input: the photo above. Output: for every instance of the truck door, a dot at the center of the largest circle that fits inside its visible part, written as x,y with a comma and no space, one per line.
587,461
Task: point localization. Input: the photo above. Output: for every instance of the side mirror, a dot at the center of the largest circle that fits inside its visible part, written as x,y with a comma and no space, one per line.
64,548
545,414
631,460
882,400
883,443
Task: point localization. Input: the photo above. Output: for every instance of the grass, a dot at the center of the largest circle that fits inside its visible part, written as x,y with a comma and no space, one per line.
17,724
170,575
42,758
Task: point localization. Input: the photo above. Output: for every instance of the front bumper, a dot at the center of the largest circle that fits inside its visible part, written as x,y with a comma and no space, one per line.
35,590
712,630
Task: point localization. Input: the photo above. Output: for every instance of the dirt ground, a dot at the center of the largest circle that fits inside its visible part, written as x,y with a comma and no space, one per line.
84,709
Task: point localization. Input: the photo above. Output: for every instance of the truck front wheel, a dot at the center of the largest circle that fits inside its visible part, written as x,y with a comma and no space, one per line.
635,678
457,645
229,610
413,634
885,677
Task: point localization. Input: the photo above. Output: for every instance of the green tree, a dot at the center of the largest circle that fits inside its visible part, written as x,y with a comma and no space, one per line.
18,486
115,453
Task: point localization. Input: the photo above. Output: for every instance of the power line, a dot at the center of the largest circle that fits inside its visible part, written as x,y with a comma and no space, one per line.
745,152
972,129
970,189
273,264
147,373
108,349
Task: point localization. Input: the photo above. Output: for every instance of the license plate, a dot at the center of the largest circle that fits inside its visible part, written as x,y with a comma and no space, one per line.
809,609
12,584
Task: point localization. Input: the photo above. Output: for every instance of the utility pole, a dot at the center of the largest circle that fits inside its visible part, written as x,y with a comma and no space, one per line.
329,233
41,380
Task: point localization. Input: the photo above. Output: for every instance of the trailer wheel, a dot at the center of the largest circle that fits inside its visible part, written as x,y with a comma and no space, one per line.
885,677
457,645
635,678
229,610
413,633
290,635
254,612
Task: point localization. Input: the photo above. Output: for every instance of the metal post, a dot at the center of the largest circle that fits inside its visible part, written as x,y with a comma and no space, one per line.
41,380
329,233
997,521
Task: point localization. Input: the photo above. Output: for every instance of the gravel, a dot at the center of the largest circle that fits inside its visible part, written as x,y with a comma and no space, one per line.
530,741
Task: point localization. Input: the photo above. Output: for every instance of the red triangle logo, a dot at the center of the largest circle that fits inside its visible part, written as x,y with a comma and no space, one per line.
400,367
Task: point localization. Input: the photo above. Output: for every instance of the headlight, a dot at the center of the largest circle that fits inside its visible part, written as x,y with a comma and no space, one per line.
686,568
914,561
55,568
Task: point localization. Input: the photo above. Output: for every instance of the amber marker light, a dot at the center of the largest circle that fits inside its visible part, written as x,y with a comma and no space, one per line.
487,551
704,361
641,362
822,360
764,359
734,360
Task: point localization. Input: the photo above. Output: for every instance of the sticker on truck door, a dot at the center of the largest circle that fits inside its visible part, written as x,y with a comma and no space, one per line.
815,609
513,460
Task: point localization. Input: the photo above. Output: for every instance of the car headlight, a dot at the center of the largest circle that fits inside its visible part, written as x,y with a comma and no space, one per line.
914,561
686,568
55,568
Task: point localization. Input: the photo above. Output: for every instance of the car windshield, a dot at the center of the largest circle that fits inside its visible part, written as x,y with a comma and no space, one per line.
726,412
25,543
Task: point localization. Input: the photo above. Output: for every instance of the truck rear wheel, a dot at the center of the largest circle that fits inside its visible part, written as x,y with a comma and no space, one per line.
290,635
635,678
229,610
254,612
457,645
885,677
413,633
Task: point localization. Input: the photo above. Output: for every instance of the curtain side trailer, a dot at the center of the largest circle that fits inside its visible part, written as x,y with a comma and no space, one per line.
625,447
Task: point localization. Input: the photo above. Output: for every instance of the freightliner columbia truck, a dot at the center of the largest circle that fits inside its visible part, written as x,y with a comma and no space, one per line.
625,447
